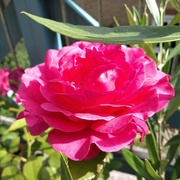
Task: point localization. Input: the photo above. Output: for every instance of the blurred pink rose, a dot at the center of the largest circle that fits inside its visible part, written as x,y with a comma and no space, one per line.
96,97
15,78
4,81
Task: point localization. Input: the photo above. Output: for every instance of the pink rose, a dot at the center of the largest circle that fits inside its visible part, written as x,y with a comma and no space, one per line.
15,78
4,81
95,97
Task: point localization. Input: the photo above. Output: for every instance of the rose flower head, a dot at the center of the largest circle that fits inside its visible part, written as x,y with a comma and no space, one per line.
95,97
4,81
15,78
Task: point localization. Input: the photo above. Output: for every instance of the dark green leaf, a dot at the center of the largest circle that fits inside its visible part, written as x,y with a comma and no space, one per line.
87,169
172,106
175,170
171,153
153,150
136,163
174,140
116,35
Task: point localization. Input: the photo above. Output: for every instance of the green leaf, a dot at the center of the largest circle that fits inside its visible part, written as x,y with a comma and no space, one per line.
153,150
175,170
18,124
149,51
130,16
175,19
11,141
54,159
174,140
32,167
48,172
175,4
153,8
136,163
65,171
163,164
171,153
11,173
174,52
87,169
116,35
172,106
151,171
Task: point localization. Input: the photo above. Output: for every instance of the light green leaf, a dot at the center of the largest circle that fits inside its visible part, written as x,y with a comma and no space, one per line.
116,35
87,169
149,51
18,124
175,4
130,16
153,150
54,159
136,163
11,173
32,167
175,19
65,171
151,171
153,8
174,52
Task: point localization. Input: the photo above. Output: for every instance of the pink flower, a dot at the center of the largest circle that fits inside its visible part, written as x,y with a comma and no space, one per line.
4,81
95,97
15,78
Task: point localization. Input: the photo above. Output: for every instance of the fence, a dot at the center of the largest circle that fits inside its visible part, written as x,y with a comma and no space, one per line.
38,39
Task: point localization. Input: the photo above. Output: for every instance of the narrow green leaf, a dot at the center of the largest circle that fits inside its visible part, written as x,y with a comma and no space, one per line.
18,124
174,52
136,163
175,170
153,8
176,74
116,35
163,164
175,19
149,51
151,171
152,150
136,15
175,4
172,106
145,19
130,16
87,169
174,140
171,153
65,172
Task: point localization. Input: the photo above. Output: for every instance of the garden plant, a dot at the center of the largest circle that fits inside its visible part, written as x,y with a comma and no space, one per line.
91,100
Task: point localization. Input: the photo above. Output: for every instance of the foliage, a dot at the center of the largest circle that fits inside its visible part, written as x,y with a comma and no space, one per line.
31,157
